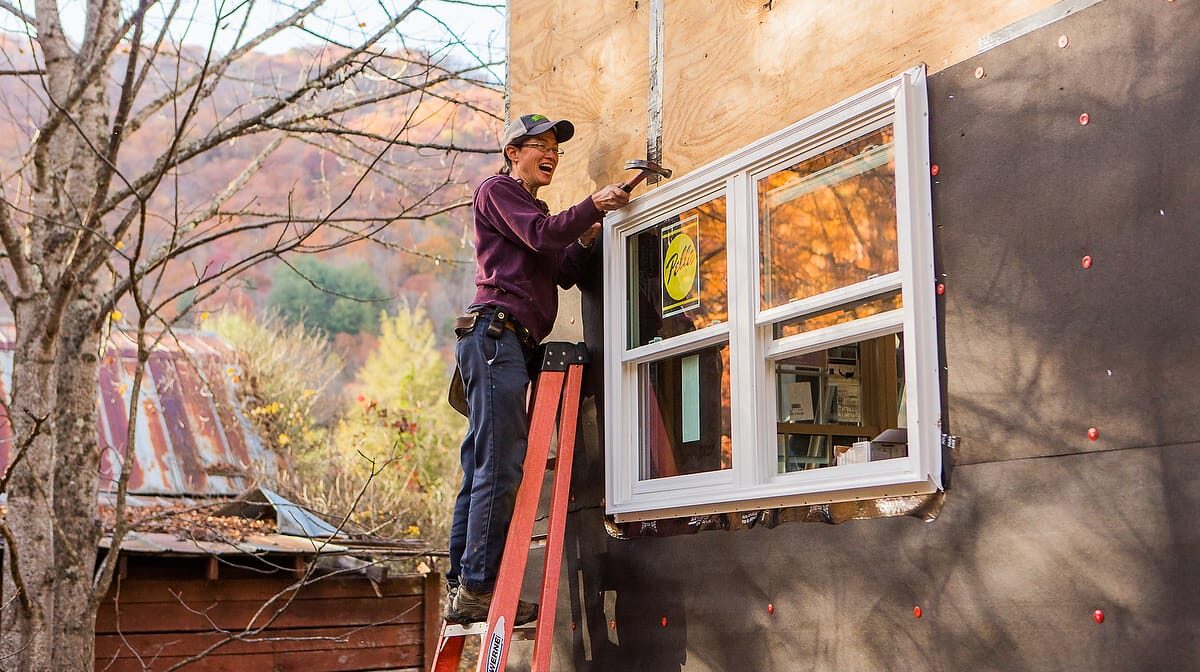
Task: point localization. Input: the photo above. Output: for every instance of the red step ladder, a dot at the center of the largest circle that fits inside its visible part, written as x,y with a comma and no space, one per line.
556,397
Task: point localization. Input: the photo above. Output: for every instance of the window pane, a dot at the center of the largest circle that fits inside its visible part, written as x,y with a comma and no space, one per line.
685,414
828,400
838,315
828,221
691,293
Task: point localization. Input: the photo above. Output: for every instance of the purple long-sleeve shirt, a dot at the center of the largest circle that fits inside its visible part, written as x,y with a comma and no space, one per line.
522,251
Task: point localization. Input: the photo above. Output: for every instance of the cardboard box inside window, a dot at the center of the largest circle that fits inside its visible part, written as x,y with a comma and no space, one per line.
892,443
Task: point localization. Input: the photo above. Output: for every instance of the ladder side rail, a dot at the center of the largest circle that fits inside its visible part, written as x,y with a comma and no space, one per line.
493,650
568,421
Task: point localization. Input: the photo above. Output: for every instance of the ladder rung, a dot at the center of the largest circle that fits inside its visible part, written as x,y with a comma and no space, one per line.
537,541
520,632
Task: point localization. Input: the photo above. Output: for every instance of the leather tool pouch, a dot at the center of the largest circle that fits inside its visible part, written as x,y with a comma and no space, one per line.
463,324
457,394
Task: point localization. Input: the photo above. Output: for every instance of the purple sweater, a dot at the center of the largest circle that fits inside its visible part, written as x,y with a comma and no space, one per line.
522,251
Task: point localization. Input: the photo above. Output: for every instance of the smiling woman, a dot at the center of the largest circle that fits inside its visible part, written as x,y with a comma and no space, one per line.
522,252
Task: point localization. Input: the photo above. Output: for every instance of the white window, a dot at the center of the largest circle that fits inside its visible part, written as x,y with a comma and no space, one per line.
771,326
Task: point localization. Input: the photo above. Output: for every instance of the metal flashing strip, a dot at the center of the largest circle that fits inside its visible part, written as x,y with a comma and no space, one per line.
654,104
1045,17
507,65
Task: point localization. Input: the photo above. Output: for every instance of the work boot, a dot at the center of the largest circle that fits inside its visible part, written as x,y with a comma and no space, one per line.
470,607
451,591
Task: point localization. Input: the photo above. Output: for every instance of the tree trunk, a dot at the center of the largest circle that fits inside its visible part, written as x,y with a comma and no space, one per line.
26,640
76,486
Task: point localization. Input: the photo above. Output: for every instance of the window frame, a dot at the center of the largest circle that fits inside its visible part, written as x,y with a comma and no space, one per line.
753,482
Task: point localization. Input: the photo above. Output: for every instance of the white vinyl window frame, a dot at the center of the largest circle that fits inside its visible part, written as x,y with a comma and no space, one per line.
753,482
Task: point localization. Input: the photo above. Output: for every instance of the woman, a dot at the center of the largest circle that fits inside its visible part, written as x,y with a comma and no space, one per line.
521,253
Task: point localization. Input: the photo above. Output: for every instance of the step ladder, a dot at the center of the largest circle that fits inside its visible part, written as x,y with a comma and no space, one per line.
556,397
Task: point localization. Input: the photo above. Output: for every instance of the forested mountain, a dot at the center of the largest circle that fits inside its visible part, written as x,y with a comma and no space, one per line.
427,259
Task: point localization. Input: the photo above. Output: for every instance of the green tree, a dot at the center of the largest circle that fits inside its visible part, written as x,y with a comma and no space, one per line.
402,423
328,298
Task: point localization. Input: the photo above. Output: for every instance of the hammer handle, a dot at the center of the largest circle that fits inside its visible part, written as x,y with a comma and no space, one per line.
628,186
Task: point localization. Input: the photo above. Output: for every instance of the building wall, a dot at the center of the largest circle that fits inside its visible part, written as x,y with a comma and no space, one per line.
1041,525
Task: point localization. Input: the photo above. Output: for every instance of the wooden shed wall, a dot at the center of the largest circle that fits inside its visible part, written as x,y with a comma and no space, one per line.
1041,526
332,625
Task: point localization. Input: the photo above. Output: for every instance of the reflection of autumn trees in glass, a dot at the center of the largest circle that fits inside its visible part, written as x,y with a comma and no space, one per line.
840,314
829,221
713,275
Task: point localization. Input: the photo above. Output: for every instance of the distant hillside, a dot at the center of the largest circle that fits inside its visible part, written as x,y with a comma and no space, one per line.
306,173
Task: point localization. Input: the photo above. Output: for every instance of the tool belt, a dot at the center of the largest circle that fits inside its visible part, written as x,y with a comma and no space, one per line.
501,319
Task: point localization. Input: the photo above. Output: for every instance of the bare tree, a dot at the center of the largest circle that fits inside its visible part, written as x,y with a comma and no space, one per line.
90,227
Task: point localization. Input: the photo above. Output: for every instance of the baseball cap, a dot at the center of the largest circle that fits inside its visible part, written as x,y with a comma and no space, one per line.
535,124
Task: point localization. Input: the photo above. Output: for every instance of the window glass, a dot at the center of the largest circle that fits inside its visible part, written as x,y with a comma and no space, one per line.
828,401
839,314
685,414
828,221
677,275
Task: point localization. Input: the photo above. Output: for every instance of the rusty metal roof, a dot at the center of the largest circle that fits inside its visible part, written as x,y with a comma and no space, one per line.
191,438
195,448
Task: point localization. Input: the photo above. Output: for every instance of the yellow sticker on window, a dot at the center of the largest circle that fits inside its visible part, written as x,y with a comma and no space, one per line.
681,266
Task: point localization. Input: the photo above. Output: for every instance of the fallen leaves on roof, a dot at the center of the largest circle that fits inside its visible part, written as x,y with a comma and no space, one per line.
188,521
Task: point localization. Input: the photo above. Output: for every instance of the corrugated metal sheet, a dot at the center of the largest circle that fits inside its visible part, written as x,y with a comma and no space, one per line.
191,438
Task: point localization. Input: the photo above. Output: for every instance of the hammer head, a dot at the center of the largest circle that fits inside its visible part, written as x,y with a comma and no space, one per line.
644,169
648,167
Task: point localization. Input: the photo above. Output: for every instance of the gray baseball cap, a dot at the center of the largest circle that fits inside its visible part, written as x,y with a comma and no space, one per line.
536,124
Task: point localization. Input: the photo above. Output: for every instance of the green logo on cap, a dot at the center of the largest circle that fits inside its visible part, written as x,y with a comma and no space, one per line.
536,117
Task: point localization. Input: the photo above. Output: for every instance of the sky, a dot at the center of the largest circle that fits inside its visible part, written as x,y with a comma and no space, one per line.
476,23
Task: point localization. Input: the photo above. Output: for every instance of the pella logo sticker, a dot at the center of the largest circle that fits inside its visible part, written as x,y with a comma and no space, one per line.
496,647
680,266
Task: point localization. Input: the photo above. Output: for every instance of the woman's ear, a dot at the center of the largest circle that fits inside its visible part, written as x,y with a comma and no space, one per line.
510,152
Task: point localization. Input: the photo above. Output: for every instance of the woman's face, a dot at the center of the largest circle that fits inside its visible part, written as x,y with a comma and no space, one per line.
534,160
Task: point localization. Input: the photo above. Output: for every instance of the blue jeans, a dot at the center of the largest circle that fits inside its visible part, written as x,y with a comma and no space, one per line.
496,375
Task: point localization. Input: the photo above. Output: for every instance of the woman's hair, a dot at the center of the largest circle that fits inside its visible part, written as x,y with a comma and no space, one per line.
506,169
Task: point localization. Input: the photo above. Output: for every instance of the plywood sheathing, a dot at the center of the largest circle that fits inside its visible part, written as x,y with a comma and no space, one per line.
587,62
736,71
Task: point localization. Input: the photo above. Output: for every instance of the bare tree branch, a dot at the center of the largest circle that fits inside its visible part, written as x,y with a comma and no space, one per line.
221,65
14,249
16,11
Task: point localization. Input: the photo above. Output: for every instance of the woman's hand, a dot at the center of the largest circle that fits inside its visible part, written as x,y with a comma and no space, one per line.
589,236
610,198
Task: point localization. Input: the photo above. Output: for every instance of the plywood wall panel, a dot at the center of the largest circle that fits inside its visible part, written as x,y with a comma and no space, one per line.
599,84
544,34
736,71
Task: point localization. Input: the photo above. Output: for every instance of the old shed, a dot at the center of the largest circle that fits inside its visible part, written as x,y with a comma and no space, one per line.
219,572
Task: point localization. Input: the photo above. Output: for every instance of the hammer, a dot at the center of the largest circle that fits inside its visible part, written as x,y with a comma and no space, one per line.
645,168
